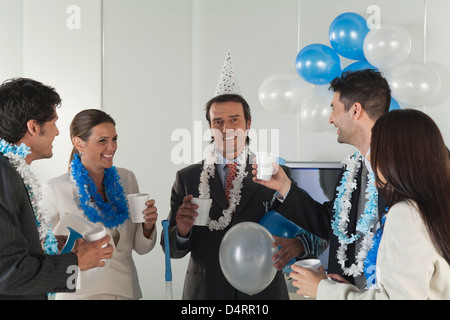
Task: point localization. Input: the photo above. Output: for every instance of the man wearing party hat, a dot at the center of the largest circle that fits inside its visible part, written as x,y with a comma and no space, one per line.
225,177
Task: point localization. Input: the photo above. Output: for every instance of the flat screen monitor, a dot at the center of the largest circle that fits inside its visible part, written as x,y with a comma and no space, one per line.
319,180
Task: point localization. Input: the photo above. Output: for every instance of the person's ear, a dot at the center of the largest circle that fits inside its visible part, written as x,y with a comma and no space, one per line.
357,110
78,144
249,122
32,127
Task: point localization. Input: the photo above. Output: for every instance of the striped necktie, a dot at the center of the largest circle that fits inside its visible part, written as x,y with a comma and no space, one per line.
230,178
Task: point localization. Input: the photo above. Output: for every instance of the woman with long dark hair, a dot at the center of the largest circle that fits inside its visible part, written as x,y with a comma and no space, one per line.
410,254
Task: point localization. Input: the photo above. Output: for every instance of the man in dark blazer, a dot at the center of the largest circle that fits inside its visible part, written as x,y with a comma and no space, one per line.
229,118
360,98
28,116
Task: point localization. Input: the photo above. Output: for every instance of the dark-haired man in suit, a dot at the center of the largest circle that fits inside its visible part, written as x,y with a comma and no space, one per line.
360,98
27,130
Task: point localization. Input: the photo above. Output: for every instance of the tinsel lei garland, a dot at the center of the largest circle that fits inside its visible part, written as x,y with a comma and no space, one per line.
113,212
208,172
16,156
341,208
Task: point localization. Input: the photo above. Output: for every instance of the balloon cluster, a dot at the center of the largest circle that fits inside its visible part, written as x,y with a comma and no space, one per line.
413,84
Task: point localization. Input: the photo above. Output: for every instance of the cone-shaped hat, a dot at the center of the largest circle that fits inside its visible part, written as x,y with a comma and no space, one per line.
228,83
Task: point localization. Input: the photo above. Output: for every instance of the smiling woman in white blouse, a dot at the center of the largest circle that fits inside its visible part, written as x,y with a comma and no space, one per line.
94,192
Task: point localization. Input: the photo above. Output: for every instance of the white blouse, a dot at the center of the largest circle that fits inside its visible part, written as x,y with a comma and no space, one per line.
60,201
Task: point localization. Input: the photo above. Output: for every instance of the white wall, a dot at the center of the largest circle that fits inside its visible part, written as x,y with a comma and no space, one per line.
67,58
437,51
148,90
159,63
11,35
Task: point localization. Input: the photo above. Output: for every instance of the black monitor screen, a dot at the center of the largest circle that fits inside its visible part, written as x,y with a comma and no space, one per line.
319,179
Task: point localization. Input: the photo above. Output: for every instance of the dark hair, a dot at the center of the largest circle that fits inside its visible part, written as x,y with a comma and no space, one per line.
408,149
22,100
227,98
368,87
83,123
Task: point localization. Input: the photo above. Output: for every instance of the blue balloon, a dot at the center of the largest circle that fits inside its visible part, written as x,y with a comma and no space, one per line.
347,33
278,225
318,64
394,105
359,65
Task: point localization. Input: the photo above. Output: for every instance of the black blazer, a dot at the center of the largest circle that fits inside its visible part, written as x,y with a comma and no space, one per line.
25,272
316,218
204,278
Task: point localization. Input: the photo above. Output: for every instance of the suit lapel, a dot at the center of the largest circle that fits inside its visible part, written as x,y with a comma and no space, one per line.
217,192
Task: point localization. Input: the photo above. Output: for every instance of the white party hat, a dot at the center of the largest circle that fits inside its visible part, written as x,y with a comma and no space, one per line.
228,83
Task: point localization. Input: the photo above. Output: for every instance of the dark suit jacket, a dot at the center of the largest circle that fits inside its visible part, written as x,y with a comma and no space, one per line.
25,272
316,218
204,277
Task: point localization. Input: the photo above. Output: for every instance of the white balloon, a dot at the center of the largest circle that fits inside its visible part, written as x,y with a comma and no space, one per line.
387,47
414,84
245,257
283,92
316,109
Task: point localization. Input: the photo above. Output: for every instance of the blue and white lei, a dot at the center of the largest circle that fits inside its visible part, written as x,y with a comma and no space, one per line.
114,212
370,262
16,156
341,209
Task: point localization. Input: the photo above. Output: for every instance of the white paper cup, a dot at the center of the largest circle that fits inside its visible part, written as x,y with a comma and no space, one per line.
312,264
95,234
264,161
136,203
203,211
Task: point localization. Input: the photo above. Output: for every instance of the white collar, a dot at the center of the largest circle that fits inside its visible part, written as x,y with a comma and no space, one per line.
222,161
367,162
